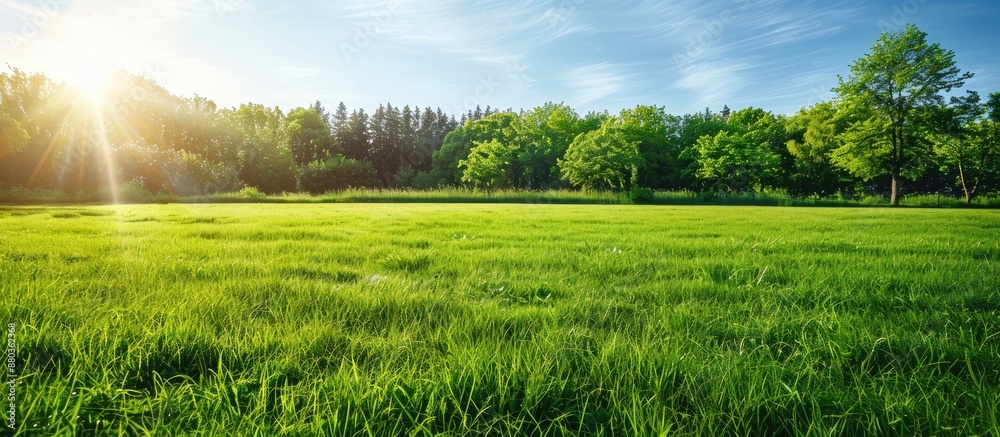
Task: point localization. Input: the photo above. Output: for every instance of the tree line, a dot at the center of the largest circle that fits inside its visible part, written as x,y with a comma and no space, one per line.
56,136
898,126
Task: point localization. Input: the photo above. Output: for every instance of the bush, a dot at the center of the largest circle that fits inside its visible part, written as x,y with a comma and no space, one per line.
251,193
190,174
424,180
336,174
404,177
640,195
271,171
709,195
133,191
873,201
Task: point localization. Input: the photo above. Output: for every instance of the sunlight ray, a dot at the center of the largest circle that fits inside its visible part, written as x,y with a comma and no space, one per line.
105,146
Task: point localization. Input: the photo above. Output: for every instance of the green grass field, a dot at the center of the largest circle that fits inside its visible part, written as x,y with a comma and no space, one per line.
424,319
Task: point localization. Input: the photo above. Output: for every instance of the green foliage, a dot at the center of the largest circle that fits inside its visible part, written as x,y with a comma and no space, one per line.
14,137
459,143
993,107
309,136
133,192
265,160
251,193
541,137
655,134
815,134
189,174
387,141
487,164
890,99
423,180
135,130
602,159
354,136
692,129
763,127
741,160
337,173
890,123
965,141
640,195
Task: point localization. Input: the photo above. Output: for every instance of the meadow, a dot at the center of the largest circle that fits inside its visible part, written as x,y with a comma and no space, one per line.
514,319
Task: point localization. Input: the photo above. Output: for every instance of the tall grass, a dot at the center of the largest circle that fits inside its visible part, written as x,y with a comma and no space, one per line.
131,193
427,319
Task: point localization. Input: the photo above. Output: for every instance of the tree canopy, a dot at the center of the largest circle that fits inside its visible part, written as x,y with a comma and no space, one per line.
603,158
899,125
891,98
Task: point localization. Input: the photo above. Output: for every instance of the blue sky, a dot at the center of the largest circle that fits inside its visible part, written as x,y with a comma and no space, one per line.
685,55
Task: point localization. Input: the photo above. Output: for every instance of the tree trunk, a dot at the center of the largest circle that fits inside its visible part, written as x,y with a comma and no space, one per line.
965,189
895,190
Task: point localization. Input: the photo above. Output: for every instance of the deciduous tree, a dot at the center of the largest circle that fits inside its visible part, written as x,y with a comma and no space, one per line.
487,164
603,158
966,142
309,136
814,131
891,95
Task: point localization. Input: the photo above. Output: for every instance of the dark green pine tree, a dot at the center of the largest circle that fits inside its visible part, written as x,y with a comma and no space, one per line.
356,137
318,107
339,123
386,138
408,144
427,140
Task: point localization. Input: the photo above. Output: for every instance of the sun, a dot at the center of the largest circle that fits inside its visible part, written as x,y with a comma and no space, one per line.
92,81
92,78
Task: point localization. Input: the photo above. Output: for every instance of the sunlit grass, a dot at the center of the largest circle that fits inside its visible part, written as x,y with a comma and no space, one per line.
538,319
133,193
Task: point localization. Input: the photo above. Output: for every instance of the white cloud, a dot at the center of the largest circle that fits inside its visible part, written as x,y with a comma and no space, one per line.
483,32
713,82
595,82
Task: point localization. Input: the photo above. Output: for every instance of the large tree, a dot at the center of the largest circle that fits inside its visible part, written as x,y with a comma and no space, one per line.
603,158
487,164
890,98
460,142
354,137
264,159
386,142
309,136
735,162
967,143
691,128
655,132
813,133
542,136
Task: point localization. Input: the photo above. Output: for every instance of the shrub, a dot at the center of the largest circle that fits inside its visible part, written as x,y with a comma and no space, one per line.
337,173
271,170
709,195
424,180
133,191
191,174
640,195
251,193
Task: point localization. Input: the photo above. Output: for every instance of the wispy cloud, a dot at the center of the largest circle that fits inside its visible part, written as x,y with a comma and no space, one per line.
596,82
484,32
713,82
741,49
684,53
